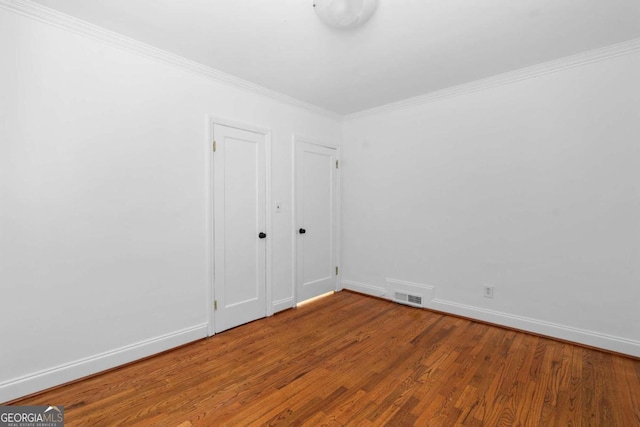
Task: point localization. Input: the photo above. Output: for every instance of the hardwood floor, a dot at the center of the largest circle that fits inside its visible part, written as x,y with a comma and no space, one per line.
349,359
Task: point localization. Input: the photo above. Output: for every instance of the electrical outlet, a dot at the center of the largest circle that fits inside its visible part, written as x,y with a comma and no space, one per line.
488,291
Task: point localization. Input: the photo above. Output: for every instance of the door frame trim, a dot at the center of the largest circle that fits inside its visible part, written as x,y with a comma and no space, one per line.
212,120
296,140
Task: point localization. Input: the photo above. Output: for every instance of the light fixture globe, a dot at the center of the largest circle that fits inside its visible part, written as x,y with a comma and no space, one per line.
344,13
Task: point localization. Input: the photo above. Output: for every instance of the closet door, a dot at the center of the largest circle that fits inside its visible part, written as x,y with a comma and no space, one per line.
239,175
316,185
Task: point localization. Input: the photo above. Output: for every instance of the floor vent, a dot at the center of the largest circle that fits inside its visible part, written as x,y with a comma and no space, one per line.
414,299
409,299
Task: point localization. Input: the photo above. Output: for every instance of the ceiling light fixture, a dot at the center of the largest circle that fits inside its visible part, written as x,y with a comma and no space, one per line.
344,13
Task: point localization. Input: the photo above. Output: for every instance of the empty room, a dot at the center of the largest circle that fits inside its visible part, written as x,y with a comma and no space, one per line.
320,212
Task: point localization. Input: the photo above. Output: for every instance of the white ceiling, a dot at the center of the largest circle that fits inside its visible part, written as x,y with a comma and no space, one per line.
408,48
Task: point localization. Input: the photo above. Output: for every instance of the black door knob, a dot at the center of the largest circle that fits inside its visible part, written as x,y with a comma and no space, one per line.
262,235
302,231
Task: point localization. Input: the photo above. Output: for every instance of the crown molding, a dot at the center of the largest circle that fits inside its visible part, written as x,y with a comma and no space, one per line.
52,17
601,54
66,22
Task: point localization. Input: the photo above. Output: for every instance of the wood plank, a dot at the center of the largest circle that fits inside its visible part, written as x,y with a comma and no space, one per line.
349,359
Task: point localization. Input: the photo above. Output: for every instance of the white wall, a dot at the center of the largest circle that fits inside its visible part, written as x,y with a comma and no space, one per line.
103,201
532,187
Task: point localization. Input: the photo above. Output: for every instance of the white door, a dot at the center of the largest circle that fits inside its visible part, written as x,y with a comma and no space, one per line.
316,190
239,198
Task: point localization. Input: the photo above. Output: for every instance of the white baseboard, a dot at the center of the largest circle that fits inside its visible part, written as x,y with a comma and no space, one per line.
43,380
363,288
283,304
541,327
554,330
